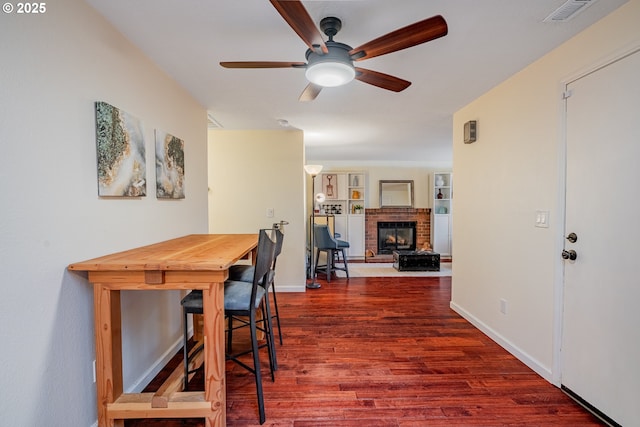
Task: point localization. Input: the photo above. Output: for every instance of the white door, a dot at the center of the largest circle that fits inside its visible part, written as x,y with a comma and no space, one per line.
600,350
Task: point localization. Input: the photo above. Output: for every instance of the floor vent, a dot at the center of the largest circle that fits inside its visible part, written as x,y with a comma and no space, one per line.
568,10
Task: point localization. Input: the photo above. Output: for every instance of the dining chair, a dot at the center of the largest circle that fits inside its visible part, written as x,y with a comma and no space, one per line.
242,300
244,273
325,242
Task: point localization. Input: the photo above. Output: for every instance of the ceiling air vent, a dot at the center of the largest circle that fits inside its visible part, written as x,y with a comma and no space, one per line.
568,10
212,123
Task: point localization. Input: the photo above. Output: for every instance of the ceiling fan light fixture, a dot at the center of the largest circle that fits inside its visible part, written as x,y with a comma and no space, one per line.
330,73
331,69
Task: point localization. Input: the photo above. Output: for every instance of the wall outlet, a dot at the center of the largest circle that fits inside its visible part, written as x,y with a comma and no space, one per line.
503,306
270,212
94,371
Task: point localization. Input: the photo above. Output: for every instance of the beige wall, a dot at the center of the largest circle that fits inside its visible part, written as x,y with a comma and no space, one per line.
512,170
54,67
251,171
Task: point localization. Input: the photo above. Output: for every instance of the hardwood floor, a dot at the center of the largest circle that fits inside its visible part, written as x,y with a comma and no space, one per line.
387,352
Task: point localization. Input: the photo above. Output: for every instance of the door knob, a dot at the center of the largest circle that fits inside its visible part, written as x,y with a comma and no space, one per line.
571,255
572,237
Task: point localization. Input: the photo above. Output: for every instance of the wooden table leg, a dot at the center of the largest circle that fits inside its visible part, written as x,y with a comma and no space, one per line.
214,353
106,304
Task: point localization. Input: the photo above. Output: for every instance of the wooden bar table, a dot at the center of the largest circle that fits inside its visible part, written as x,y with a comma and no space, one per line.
198,261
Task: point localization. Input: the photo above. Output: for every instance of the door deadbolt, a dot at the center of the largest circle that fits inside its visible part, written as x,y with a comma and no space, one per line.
571,255
572,237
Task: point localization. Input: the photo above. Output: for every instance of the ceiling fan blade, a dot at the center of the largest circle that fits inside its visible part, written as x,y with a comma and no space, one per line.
411,35
310,92
262,64
384,81
299,19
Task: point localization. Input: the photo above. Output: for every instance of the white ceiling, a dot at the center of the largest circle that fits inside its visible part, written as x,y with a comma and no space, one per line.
488,41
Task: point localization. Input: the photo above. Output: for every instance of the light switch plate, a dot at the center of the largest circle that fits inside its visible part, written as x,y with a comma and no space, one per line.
542,219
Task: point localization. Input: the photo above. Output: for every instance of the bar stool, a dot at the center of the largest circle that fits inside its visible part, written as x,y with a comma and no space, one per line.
325,242
244,273
241,301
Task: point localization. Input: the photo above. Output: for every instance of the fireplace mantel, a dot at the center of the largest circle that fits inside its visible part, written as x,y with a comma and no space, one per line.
422,217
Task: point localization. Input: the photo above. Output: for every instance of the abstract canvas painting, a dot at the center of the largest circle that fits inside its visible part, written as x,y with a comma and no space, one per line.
169,166
121,153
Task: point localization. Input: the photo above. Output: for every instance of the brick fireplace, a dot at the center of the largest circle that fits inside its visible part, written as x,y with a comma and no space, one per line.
422,217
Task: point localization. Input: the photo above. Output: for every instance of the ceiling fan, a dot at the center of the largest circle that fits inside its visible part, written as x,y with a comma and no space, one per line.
330,63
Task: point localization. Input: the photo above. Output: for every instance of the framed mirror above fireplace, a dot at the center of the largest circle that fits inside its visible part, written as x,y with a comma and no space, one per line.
396,193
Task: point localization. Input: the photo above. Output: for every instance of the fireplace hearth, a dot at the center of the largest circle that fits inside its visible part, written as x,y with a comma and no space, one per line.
395,236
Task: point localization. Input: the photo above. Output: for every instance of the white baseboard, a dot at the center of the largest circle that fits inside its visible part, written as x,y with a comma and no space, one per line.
290,288
525,358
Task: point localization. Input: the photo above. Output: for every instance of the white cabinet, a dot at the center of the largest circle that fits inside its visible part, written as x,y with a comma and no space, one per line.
345,194
341,226
442,234
355,225
441,213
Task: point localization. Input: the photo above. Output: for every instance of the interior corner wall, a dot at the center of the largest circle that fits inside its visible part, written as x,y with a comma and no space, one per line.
512,170
251,171
54,67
